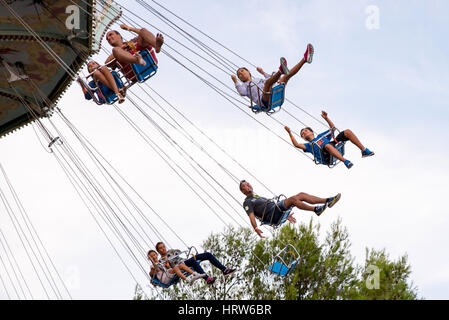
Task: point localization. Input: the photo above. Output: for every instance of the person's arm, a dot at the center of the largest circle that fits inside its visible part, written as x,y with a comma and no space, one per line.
128,28
260,70
329,122
109,59
295,143
241,89
252,219
152,271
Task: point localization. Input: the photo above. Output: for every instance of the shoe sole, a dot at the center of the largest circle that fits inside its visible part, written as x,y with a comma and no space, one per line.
337,198
225,275
369,155
311,51
284,67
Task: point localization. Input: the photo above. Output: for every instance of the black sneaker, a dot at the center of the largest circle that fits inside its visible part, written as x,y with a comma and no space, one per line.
228,271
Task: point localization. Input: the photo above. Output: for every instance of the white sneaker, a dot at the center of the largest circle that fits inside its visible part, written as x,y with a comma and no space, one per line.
197,275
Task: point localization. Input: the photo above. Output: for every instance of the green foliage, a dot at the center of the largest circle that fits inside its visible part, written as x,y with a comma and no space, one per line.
326,269
393,278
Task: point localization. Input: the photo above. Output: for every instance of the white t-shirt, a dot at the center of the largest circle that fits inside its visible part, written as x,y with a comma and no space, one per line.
164,276
250,89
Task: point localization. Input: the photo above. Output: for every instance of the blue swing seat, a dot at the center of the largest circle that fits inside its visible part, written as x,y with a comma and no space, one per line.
276,101
143,73
281,221
280,266
156,282
102,92
107,95
174,280
323,157
281,269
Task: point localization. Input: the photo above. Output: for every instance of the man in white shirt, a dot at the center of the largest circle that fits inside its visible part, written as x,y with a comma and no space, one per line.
258,90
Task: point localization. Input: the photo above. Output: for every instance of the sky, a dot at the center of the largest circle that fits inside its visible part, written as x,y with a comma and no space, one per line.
380,69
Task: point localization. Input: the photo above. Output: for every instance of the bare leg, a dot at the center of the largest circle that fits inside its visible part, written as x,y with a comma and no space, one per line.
269,84
146,38
334,152
353,138
300,199
178,272
182,266
293,71
105,76
126,57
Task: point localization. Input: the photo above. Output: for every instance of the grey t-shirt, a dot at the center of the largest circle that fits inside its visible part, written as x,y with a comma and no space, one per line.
260,206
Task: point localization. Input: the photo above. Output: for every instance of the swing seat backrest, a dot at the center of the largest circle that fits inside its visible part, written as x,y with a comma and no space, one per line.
173,281
280,269
277,98
143,73
323,157
341,148
281,221
107,95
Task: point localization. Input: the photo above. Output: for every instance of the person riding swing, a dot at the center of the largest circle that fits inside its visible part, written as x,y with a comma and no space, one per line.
128,53
260,90
266,210
327,142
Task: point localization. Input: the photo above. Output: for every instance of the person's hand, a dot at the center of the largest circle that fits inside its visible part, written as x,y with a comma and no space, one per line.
259,232
291,219
260,70
324,114
234,78
124,27
287,129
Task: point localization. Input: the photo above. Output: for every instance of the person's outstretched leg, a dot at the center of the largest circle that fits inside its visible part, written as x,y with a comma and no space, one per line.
105,76
207,256
334,152
126,57
214,261
299,201
266,96
178,272
308,57
293,71
353,138
193,263
349,135
146,38
184,267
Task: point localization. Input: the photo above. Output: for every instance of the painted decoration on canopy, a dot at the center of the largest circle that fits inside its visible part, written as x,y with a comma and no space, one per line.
25,64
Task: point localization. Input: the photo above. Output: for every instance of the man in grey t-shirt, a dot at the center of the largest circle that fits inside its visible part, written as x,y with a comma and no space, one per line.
266,210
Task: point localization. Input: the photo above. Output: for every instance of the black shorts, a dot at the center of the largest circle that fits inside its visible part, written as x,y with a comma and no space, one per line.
275,212
340,138
265,105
